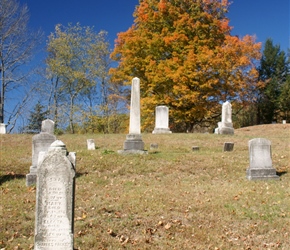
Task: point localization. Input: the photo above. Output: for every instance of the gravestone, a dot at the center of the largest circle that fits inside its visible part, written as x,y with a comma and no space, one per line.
153,146
161,120
40,142
228,146
2,128
226,125
91,144
133,143
260,160
195,148
54,216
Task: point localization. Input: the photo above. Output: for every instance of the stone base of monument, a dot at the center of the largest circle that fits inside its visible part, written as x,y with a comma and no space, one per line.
161,131
133,145
224,128
262,174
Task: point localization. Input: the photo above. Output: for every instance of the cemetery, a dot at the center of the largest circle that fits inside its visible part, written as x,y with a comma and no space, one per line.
190,191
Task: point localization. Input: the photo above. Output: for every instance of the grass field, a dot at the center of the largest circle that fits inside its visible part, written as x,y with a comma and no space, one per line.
172,198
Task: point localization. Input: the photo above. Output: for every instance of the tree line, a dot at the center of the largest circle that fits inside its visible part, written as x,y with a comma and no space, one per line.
183,51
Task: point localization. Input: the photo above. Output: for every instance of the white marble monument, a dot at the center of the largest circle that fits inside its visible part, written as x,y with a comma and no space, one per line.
226,125
133,143
161,120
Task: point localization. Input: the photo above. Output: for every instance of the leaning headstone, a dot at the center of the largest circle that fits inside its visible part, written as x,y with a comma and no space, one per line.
54,221
228,146
91,144
133,143
2,128
260,160
161,120
40,142
226,125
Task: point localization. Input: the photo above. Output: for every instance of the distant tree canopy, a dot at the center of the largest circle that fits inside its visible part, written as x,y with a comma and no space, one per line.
187,59
273,100
35,119
77,60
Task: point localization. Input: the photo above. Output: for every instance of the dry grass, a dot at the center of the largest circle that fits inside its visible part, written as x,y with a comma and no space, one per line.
172,198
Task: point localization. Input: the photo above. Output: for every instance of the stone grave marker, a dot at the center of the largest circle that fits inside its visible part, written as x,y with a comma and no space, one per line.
260,160
2,128
40,142
226,125
133,143
91,144
228,146
54,221
153,146
161,120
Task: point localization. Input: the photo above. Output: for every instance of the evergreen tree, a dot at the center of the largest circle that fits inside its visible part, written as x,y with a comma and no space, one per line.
273,73
35,119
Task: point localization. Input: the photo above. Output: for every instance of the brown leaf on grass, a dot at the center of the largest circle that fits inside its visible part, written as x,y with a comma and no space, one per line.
110,232
167,226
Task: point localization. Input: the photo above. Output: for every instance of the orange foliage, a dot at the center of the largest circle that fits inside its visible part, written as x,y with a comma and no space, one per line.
186,58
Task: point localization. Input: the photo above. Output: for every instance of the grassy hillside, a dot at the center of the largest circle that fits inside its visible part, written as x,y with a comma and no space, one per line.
172,198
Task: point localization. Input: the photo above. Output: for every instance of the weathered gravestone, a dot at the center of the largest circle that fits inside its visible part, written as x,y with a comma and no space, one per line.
161,120
260,160
228,146
91,144
133,143
226,125
54,221
40,143
2,128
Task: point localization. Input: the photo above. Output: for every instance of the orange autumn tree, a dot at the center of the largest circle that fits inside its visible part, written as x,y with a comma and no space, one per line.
186,58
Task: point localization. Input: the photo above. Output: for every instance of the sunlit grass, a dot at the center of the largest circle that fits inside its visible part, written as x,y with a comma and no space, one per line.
172,198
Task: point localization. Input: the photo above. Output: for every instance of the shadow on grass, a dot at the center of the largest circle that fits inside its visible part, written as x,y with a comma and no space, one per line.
280,173
10,176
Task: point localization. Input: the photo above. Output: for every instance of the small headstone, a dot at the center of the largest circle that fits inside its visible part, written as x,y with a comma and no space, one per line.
260,160
229,146
91,144
2,128
153,146
54,220
284,122
195,148
226,125
161,120
40,143
133,143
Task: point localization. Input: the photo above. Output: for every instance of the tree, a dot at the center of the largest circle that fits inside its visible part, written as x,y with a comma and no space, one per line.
273,72
74,63
17,44
186,58
35,118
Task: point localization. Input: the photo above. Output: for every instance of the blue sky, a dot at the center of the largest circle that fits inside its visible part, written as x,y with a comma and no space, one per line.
263,18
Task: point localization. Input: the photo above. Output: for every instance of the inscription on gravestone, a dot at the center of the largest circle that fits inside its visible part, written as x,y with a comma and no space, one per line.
55,199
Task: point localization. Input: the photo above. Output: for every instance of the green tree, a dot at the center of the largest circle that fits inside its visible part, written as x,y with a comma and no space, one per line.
74,63
273,73
186,58
35,118
17,44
